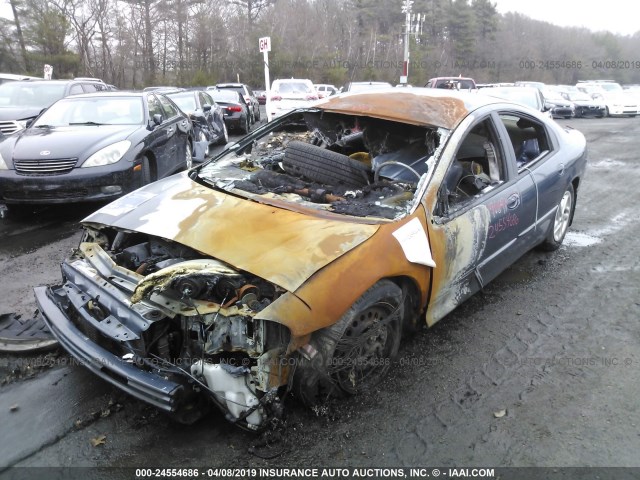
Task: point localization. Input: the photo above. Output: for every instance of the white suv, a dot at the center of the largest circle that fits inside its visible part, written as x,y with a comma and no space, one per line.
288,94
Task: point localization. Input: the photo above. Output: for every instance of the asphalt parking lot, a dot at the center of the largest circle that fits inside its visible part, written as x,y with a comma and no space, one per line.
540,369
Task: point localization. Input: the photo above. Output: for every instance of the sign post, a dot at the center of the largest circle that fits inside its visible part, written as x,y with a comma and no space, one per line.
265,48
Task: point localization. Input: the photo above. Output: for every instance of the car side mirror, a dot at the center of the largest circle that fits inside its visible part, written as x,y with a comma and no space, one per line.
157,119
206,107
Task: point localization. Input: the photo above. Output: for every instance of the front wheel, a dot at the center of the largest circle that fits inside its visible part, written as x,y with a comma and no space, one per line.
355,353
561,221
146,170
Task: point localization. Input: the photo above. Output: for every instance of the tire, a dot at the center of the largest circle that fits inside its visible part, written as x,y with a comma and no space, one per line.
355,353
188,154
146,171
258,115
225,136
207,150
606,112
561,221
247,124
324,166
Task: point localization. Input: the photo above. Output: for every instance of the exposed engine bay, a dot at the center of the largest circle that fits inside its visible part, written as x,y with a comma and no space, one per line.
162,307
352,165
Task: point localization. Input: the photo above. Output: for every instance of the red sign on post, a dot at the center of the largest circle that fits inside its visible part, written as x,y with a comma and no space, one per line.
265,44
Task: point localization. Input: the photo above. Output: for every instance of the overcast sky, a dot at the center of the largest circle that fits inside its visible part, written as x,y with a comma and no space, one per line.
616,16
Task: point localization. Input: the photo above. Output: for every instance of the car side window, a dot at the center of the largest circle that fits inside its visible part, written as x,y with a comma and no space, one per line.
208,99
528,137
76,89
203,99
154,106
479,166
169,110
89,87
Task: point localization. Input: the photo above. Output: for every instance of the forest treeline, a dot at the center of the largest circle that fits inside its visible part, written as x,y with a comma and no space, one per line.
137,43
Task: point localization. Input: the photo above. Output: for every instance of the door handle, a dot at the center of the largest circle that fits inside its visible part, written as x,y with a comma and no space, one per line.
561,169
513,201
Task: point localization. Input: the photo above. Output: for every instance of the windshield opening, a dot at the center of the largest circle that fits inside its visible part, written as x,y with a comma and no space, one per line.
344,164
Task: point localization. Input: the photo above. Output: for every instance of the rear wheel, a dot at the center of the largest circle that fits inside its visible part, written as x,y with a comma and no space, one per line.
247,124
225,135
561,221
188,155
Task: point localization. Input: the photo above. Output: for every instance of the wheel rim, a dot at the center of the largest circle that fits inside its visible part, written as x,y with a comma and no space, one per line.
563,214
363,354
188,156
226,133
203,138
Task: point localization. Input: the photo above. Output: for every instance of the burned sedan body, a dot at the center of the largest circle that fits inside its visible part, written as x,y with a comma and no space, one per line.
296,259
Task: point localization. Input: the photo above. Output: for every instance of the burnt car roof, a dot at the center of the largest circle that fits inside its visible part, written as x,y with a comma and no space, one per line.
420,106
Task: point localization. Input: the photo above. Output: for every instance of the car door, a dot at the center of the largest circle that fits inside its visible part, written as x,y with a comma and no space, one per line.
213,115
484,214
177,128
160,138
533,150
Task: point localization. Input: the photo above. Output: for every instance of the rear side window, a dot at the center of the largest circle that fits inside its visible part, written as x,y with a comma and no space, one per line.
76,89
528,137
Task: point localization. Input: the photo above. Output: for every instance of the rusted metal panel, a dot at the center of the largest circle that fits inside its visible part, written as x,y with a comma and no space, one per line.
429,108
278,245
325,296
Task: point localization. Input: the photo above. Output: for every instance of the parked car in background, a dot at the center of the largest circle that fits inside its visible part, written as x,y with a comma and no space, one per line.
452,83
247,94
556,104
529,96
12,77
286,264
616,101
361,86
94,147
206,117
584,105
287,94
529,83
22,101
261,95
161,89
235,109
325,90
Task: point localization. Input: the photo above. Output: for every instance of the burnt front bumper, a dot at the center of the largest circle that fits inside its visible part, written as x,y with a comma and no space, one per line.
148,386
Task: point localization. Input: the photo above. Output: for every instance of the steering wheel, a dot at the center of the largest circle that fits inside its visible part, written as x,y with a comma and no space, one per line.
393,162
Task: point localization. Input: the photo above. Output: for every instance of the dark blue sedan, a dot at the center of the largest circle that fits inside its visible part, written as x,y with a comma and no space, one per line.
206,116
94,147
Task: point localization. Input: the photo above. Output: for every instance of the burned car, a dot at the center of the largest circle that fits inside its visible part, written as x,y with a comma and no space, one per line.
296,259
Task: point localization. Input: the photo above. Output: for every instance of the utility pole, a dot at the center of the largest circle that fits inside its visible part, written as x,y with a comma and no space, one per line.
412,26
